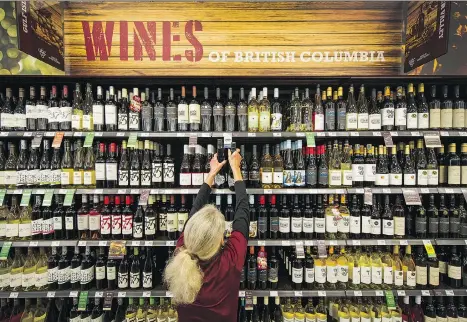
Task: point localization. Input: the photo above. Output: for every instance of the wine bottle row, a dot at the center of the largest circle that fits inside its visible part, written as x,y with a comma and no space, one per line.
285,165
288,217
149,111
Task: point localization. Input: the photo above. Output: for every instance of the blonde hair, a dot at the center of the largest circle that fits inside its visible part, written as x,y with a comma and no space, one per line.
202,239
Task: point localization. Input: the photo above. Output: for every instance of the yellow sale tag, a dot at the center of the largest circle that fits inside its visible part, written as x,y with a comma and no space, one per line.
429,248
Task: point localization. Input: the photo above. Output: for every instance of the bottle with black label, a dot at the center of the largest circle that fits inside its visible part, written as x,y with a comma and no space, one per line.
262,218
220,181
101,280
284,219
273,219
87,271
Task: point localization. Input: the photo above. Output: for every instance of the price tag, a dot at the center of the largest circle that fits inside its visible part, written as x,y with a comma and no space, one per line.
134,191
168,294
321,134
108,301
78,134
25,198
88,140
298,293
403,242
415,133
381,243
368,196
462,133
273,293
27,134
426,293
310,139
248,300
121,191
99,294
37,140
443,133
394,133
180,135
359,190
286,243
261,243
83,300
143,197
322,249
170,243
2,196
379,293
17,192
300,134
121,134
205,135
432,140
73,294
102,243
98,191
357,293
299,251
356,243
132,140
117,249
390,300
136,243
148,243
13,295
147,294
121,294
464,192
251,135
50,294
144,135
193,141
449,190
376,133
82,243
55,243
33,243
322,293
424,190
386,190
411,197
5,250
277,134
241,293
354,134
69,197
340,191
332,134
388,139
58,138
39,192
99,134
227,140
449,293
268,191
3,133
309,243
429,248
400,293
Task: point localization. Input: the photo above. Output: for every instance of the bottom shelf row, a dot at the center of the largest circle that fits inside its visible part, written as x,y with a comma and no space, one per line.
250,309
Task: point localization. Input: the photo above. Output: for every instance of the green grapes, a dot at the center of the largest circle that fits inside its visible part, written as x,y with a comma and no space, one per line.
12,31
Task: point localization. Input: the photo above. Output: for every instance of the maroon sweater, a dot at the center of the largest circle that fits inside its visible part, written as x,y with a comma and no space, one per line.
217,300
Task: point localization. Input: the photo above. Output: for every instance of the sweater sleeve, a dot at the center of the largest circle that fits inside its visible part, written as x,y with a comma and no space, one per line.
202,198
241,220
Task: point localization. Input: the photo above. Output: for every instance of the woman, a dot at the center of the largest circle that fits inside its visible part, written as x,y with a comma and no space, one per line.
204,274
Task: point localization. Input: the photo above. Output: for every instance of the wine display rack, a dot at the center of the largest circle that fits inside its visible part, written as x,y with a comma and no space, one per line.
242,293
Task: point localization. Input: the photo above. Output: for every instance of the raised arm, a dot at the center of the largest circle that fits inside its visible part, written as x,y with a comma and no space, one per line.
241,219
202,198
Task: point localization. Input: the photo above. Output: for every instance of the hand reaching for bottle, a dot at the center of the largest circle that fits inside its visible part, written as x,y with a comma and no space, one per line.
235,160
216,166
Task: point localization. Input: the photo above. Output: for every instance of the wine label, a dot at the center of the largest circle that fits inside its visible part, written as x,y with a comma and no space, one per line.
347,178
412,120
374,122
185,179
343,273
87,275
351,121
197,179
454,272
183,115
12,230
110,171
400,116
308,225
83,222
163,222
122,119
331,274
127,224
446,118
433,276
320,225
409,179
387,116
399,226
276,121
147,280
100,272
435,118
356,275
266,177
265,121
133,120
20,120
382,179
444,225
297,224
422,275
24,230
105,224
319,122
335,178
75,275
110,114
376,275
28,279
168,172
88,123
36,227
111,273
134,178
355,224
253,120
299,178
331,224
376,226
284,224
411,278
369,174
433,177
343,225
423,120
422,177
52,275
146,178
454,175
156,175
64,275
116,224
331,119
297,275
57,222
395,179
22,178
78,177
123,178
123,280
309,275
55,177
320,274
363,121
358,171
172,221
94,222
69,224
98,114
16,277
388,227
65,114
10,177
31,112
366,224
150,225
398,278
137,229
254,229
182,218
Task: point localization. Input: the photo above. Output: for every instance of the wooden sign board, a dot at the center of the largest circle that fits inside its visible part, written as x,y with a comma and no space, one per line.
233,38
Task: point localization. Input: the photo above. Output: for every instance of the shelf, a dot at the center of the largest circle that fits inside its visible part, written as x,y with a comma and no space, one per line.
251,242
242,293
276,135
